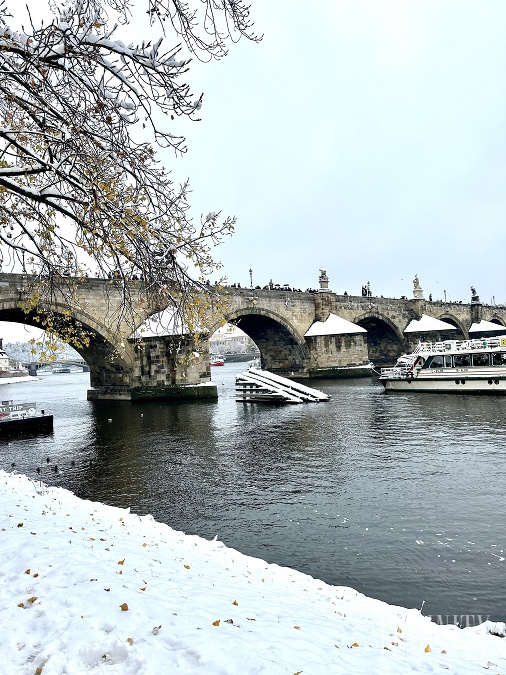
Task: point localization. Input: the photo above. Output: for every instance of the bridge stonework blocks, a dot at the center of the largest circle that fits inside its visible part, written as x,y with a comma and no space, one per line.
336,355
168,367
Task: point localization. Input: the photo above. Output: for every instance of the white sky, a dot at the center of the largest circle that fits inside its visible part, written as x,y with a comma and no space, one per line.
367,138
364,137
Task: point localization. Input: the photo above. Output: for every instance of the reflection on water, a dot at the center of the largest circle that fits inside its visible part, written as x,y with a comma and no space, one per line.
399,496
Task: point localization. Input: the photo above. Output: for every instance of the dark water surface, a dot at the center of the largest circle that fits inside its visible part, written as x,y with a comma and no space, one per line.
400,496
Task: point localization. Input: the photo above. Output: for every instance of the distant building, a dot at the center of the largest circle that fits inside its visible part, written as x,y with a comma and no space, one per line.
4,359
231,340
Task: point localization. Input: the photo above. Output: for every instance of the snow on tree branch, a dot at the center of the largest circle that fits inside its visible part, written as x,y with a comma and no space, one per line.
78,195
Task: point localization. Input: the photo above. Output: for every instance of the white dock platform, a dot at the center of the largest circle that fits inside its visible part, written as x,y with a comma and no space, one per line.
263,386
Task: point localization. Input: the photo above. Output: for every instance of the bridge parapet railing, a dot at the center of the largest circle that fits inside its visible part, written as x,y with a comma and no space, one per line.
462,345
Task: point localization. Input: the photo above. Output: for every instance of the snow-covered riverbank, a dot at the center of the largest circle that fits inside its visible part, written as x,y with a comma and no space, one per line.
14,380
88,588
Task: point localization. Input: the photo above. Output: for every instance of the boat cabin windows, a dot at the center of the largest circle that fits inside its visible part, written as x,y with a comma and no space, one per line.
436,362
462,360
444,361
481,359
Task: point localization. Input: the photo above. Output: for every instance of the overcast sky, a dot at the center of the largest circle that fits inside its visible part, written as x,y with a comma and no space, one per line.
366,137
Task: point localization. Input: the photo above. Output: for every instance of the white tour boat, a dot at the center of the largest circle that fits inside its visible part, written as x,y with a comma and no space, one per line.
476,366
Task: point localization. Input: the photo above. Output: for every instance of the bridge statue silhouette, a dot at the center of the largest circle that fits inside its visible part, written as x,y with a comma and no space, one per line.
277,320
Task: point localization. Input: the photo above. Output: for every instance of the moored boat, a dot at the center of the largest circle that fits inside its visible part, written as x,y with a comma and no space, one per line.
217,361
22,418
476,366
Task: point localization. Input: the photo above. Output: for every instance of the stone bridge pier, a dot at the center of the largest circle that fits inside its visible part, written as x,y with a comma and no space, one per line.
165,367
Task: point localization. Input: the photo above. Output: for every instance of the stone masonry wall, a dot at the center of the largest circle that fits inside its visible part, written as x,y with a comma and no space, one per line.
171,360
338,351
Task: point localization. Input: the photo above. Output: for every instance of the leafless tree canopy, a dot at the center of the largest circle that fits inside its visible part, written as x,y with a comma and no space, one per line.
78,194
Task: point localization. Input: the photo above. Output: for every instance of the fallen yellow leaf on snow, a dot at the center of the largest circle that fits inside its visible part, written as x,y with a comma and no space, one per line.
399,630
427,649
124,607
120,562
235,602
355,644
32,599
187,567
38,670
216,623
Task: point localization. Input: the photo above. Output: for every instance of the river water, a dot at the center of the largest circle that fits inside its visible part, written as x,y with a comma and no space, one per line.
400,496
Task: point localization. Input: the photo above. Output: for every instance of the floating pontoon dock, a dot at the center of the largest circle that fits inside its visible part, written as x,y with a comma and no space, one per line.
263,386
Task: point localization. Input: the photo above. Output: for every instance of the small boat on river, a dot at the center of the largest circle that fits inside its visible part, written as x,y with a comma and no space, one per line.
476,366
60,369
23,418
217,361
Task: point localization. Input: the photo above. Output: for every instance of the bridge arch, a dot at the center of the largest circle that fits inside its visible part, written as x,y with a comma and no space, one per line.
497,320
462,331
385,340
282,348
108,362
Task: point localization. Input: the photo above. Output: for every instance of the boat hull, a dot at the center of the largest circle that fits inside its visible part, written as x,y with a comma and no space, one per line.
42,424
447,386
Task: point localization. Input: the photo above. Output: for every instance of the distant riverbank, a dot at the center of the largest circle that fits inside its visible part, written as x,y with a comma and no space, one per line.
14,380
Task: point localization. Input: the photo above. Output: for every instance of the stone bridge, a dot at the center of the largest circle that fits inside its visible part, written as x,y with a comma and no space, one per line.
277,320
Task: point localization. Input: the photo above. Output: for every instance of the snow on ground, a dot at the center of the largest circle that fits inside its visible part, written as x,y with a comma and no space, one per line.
21,378
89,588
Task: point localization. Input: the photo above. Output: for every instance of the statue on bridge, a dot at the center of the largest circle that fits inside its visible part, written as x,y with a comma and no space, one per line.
417,289
323,279
474,295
